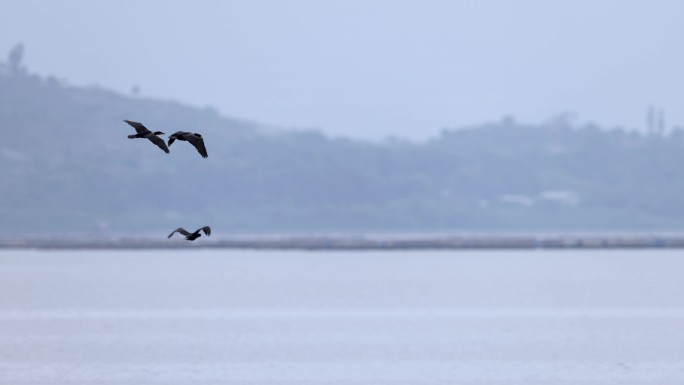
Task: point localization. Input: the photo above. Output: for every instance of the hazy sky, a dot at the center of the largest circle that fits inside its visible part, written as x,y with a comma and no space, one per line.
369,68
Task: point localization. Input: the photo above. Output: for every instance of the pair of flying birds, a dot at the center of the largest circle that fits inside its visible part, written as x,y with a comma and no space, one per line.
193,138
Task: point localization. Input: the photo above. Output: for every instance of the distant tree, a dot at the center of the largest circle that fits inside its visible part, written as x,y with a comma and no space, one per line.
661,122
15,57
565,119
650,120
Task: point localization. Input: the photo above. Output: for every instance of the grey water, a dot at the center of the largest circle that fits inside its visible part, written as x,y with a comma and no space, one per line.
293,317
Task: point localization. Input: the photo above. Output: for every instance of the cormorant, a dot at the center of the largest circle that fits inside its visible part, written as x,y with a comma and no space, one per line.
194,139
143,132
192,236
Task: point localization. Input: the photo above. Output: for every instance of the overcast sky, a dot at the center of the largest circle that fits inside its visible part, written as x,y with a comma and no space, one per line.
369,69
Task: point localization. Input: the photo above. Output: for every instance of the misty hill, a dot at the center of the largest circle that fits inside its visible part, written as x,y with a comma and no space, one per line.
67,166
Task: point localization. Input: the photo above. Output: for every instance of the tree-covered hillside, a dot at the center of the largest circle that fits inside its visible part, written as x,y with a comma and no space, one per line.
66,166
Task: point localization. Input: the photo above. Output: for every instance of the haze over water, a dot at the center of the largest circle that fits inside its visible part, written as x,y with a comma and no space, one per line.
243,317
369,69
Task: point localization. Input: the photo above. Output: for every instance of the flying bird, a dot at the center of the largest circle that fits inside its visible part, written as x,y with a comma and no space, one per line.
143,132
192,236
194,139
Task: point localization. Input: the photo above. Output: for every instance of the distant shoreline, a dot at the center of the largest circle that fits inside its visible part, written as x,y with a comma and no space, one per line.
375,242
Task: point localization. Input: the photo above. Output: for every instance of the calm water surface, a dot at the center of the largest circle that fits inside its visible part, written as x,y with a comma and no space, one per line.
273,317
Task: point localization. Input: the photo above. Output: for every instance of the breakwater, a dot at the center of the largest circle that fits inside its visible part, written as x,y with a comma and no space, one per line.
368,242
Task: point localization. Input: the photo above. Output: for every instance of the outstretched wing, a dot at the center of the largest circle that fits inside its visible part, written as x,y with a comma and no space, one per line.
159,142
198,142
139,128
207,230
172,138
179,230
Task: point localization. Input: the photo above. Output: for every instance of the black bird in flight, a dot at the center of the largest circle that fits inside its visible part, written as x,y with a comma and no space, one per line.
194,139
192,236
143,132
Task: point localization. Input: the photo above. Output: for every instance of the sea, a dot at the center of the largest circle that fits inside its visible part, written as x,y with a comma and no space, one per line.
242,317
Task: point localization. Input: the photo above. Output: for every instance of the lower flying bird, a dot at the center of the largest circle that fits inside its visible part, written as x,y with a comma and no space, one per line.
143,132
192,236
194,139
